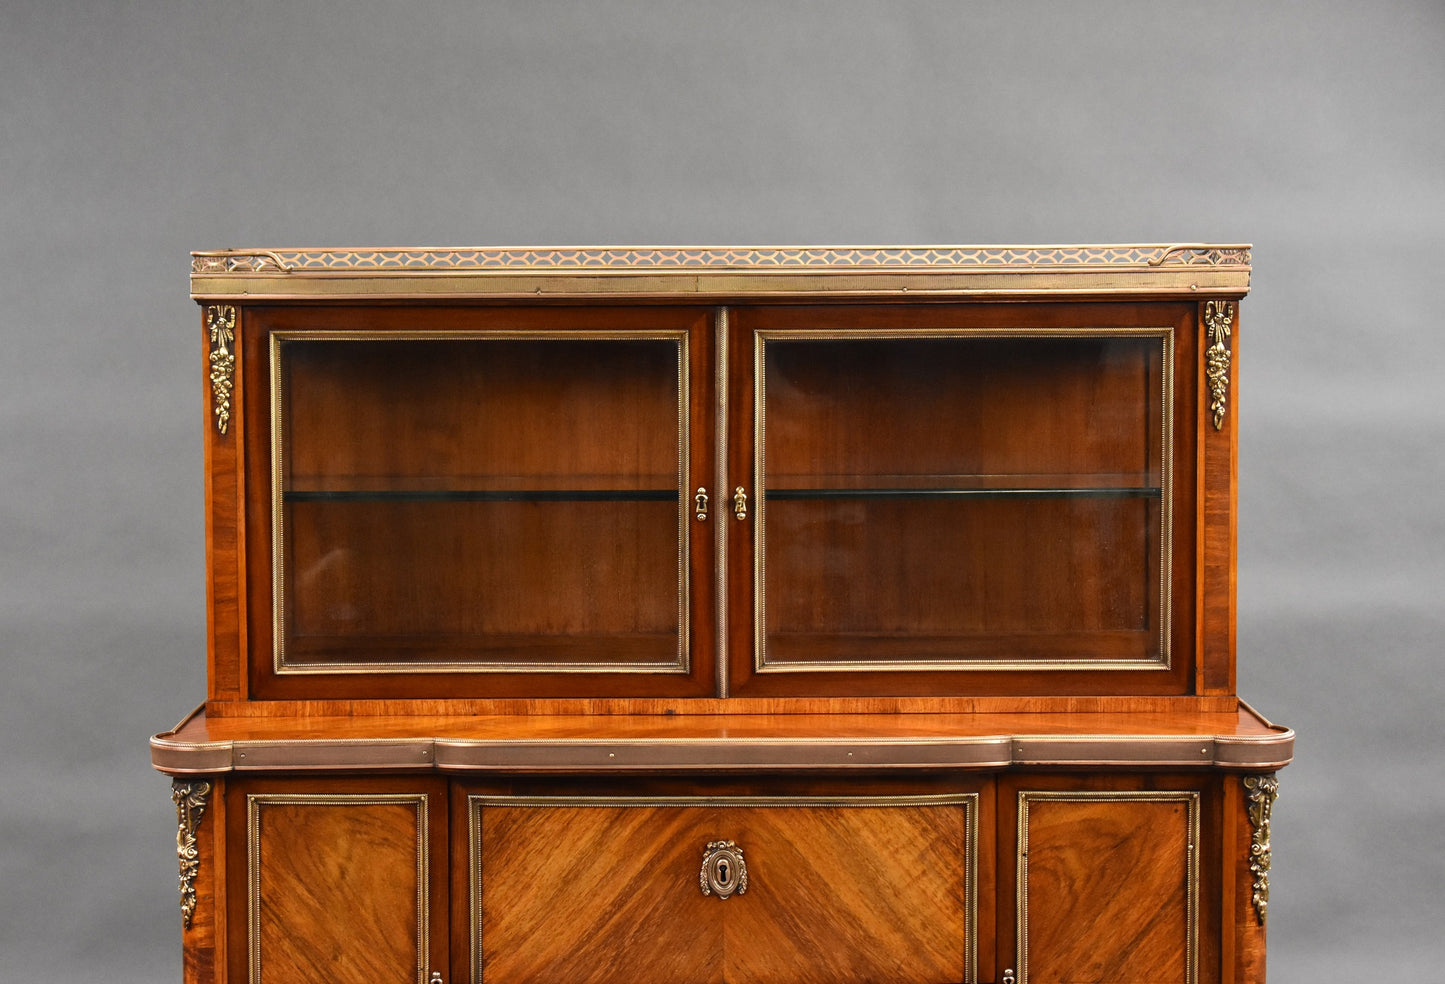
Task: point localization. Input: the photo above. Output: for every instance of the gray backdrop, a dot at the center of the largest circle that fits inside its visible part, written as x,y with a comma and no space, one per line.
134,132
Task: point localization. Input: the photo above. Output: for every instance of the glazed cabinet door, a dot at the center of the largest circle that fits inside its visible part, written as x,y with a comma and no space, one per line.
677,889
959,500
1112,880
343,881
480,502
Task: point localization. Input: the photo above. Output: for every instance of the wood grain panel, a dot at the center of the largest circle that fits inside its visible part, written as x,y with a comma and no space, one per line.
851,894
338,888
203,955
1218,451
1108,887
838,891
225,531
594,894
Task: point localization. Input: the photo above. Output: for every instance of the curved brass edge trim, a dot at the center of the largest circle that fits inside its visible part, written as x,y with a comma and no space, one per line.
1192,800
969,800
254,803
1260,794
583,755
602,259
974,752
190,800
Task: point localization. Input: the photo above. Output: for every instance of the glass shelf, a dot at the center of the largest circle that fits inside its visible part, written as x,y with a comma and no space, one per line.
483,495
1141,492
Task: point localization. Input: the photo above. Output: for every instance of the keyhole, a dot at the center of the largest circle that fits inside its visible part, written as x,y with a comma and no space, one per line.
722,871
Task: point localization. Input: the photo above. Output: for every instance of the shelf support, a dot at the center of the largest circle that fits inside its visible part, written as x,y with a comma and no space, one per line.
190,800
1261,792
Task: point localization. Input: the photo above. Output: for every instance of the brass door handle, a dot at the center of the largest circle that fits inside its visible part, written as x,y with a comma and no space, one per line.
723,870
700,503
740,503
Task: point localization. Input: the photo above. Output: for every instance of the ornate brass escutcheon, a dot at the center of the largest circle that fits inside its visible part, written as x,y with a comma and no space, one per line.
700,502
723,870
740,503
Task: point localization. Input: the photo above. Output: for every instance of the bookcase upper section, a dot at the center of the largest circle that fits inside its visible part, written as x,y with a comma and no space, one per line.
721,474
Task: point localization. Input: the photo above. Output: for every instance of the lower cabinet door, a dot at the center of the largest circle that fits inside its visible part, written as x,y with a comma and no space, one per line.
1107,882
344,881
730,889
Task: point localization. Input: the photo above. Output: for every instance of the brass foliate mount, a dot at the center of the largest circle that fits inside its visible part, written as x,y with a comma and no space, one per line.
190,800
1261,792
1218,324
221,324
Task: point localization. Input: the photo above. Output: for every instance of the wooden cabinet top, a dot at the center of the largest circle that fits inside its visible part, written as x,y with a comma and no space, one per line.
1181,737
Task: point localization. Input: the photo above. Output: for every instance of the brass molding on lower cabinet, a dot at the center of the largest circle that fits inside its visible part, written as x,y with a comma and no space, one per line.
1261,792
190,800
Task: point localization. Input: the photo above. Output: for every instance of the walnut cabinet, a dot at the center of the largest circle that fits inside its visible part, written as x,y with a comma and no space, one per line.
774,615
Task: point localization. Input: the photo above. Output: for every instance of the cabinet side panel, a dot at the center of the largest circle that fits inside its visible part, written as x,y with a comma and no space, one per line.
203,955
1108,888
225,514
1245,927
337,888
1218,471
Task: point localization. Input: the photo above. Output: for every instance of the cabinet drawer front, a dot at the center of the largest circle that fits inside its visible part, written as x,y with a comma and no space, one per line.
836,889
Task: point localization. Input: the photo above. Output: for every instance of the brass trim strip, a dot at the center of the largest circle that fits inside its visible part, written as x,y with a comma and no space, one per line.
603,258
969,801
221,326
720,528
190,800
1184,269
1191,798
600,755
1260,793
254,803
761,662
680,666
1218,322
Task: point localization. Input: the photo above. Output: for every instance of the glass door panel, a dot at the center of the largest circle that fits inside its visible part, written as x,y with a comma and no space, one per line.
962,499
497,502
